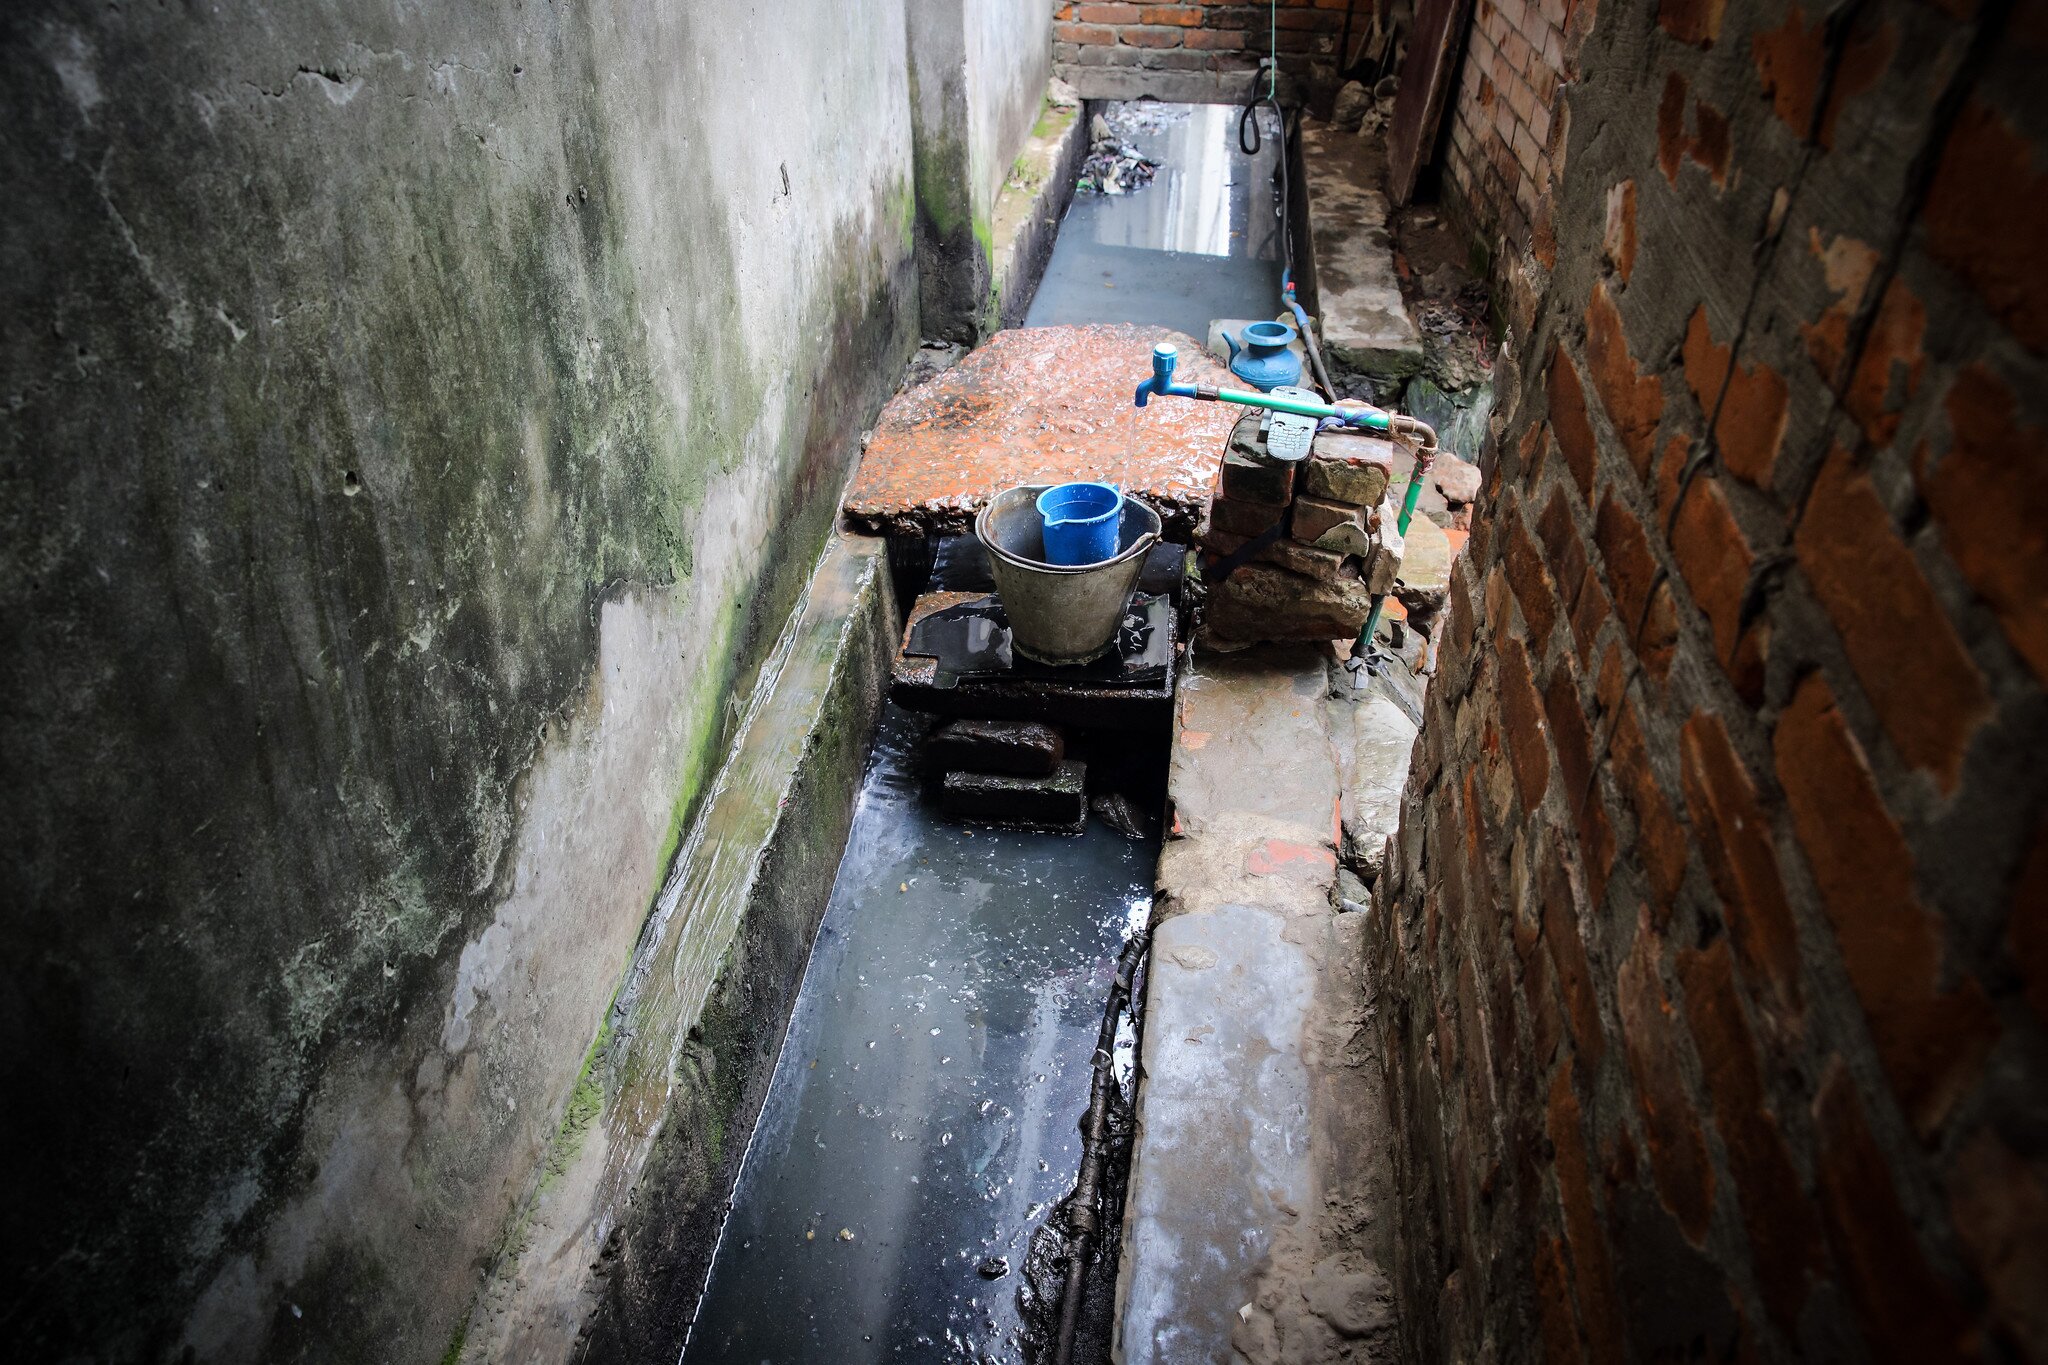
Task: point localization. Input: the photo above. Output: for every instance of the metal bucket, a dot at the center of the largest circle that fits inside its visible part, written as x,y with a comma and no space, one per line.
1060,614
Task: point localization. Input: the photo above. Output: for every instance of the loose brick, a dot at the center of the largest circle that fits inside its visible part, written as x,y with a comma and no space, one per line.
1993,518
1315,517
1568,421
1784,1232
1735,840
1678,1148
1905,652
1023,747
1748,404
1909,1314
1932,1042
1987,219
1268,482
1634,401
1322,566
1349,467
1243,518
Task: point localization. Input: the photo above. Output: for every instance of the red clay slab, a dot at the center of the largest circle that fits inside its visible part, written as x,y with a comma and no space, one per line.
1042,405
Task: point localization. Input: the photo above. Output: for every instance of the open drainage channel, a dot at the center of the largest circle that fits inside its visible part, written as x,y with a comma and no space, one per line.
925,1115
949,1119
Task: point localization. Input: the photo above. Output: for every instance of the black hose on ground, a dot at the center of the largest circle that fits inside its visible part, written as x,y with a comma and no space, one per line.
1082,1214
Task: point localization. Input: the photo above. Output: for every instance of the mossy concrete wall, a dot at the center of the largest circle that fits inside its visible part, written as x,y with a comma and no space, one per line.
418,423
978,70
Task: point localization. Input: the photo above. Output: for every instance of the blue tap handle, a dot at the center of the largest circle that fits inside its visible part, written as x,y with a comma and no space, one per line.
1164,357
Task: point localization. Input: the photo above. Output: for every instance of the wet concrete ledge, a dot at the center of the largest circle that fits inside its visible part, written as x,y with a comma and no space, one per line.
609,1252
1028,211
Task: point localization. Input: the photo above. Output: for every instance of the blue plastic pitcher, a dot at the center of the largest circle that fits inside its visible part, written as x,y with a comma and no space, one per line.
1081,522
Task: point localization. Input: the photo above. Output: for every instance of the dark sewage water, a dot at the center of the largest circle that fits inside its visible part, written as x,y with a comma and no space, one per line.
923,1115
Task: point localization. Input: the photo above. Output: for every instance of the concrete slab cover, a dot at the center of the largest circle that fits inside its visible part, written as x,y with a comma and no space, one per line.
1365,323
1251,739
1222,1128
1042,405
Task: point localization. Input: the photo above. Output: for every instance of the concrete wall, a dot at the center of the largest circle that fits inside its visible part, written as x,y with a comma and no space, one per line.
1713,947
418,423
978,70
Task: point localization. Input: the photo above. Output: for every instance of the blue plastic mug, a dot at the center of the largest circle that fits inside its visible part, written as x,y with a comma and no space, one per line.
1081,522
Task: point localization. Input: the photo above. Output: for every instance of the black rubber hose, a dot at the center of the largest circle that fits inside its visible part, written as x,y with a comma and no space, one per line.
1082,1216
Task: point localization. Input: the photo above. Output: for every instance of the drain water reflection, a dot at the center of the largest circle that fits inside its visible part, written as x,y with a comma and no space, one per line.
923,1114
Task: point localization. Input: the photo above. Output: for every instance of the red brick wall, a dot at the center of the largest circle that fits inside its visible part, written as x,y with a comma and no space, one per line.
1497,169
1189,51
1713,948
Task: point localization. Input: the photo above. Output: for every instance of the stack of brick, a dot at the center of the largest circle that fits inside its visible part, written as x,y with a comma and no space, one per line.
1336,547
1013,773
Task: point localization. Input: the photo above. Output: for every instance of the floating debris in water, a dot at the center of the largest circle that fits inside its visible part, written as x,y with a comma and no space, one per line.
846,1234
994,1268
1115,167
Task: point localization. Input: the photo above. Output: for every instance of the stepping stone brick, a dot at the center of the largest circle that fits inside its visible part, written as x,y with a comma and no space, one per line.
1021,747
1057,801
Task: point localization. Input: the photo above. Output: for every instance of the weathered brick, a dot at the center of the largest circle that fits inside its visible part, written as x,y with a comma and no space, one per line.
1708,144
1562,549
1182,16
1906,654
2026,925
1634,401
1107,14
1994,522
1659,843
1678,1148
1242,518
1522,717
1692,21
1714,558
1987,219
1316,517
1084,34
1932,1042
1209,39
1747,403
1909,1314
1734,838
1784,1232
1530,581
1567,951
1790,60
1590,611
2000,1206
1573,740
1593,1280
1349,467
1631,568
1268,482
1149,37
1568,421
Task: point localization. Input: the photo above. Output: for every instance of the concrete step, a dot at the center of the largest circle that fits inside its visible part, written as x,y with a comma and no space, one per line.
1349,274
